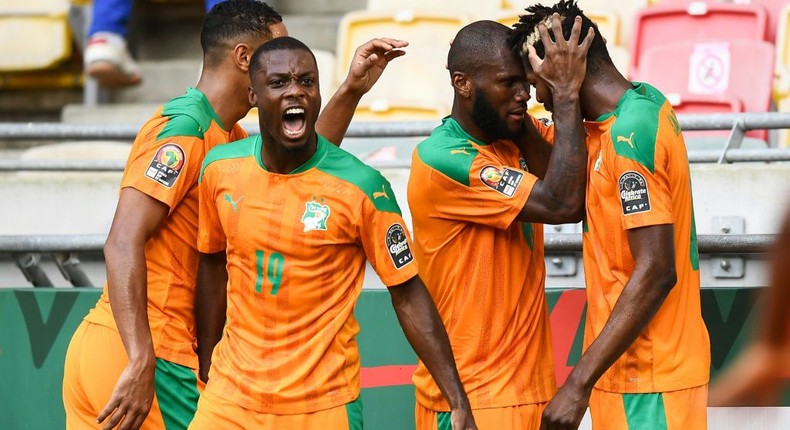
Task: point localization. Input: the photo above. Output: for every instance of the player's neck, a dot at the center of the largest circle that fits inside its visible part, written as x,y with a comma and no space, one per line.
226,95
280,159
600,93
464,118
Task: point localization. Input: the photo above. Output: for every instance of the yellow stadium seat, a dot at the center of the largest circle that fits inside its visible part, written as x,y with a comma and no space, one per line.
34,34
784,134
484,9
782,86
420,74
608,22
378,110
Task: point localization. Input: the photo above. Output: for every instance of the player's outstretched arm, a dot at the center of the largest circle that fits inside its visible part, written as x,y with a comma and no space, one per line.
559,198
369,62
425,332
652,280
136,218
211,302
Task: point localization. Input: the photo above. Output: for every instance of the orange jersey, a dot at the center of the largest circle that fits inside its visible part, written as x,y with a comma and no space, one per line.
638,176
484,269
165,164
296,247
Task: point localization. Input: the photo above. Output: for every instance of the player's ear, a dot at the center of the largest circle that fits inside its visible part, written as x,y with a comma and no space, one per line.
252,97
462,84
242,54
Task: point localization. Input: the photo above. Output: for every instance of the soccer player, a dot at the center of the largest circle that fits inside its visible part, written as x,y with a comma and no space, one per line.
647,355
296,218
477,211
760,372
134,352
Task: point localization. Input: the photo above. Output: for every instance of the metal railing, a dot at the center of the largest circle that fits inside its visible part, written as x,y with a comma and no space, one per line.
737,123
27,251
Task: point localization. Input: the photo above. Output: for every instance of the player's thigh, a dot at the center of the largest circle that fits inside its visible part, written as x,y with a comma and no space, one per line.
94,361
687,409
526,417
214,412
177,391
675,410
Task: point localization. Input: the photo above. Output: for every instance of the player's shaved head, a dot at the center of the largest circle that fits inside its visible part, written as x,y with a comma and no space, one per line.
285,43
235,21
477,43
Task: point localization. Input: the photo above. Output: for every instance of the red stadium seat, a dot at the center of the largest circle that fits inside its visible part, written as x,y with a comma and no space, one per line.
738,71
668,24
773,7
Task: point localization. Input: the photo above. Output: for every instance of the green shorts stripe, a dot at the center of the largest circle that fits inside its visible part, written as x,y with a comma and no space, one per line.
354,412
177,394
443,421
645,411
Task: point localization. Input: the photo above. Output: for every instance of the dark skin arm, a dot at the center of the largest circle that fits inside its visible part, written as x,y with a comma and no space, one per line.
559,198
756,378
425,332
366,68
653,278
211,302
136,218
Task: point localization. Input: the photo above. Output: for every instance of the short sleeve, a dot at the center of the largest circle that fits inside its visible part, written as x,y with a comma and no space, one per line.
387,243
165,169
211,236
645,195
545,127
492,193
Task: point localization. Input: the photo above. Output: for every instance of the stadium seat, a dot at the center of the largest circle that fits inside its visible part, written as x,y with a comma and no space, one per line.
421,74
34,34
378,110
671,23
473,8
784,134
738,70
782,87
772,7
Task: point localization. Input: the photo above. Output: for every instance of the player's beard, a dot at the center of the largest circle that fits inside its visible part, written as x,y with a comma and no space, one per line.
489,121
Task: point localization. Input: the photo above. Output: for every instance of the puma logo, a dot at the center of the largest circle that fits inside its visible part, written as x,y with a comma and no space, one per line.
233,204
382,193
628,140
458,151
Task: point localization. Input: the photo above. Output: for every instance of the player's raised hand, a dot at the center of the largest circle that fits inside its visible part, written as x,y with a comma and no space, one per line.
462,419
566,410
131,399
370,60
565,62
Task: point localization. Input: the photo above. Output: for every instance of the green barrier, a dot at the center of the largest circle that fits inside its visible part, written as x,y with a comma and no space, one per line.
37,325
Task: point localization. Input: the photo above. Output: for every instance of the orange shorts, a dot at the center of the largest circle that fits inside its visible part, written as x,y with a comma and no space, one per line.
673,410
526,417
214,412
94,362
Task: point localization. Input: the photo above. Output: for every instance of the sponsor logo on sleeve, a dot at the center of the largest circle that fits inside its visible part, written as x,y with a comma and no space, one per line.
398,246
633,193
504,180
167,164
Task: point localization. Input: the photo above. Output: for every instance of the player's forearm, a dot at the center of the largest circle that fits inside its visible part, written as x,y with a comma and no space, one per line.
567,168
640,300
210,306
425,332
336,116
128,292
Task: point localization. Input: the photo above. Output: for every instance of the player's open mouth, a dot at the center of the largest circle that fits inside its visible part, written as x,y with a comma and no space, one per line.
294,121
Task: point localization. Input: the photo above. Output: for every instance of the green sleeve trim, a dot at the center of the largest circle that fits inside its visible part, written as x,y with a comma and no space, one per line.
645,411
354,414
176,390
443,421
345,166
634,131
238,149
451,156
188,115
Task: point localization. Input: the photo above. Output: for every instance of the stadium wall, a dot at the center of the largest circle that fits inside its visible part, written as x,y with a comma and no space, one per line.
36,326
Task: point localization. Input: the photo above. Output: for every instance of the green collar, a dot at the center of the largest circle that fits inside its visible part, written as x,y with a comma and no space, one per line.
198,95
636,89
321,147
455,128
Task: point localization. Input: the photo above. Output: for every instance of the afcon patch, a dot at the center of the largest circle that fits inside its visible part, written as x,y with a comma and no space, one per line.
167,164
398,246
503,180
633,193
